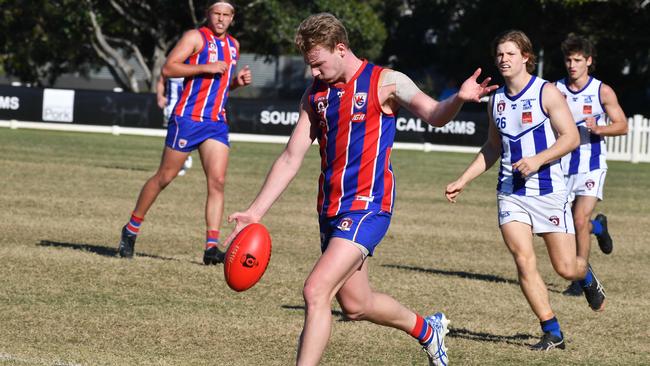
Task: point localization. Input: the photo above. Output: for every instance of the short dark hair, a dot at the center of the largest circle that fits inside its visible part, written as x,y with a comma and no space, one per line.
581,45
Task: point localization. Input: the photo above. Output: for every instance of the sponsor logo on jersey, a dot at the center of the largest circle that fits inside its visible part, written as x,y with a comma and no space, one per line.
587,98
555,220
501,106
364,198
321,105
527,117
503,214
575,99
360,100
345,224
586,109
528,104
514,106
590,183
358,117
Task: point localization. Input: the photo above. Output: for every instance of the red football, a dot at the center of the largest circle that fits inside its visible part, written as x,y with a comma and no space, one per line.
247,257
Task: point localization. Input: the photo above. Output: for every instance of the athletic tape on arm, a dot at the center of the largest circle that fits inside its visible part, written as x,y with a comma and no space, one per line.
405,88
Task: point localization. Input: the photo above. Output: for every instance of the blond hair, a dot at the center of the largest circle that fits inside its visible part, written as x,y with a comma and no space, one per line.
522,41
323,30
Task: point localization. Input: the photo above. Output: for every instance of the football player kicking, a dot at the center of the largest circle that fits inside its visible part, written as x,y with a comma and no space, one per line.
350,108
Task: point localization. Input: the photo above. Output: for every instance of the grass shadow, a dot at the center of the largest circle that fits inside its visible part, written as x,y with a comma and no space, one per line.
463,274
338,313
120,167
98,249
518,339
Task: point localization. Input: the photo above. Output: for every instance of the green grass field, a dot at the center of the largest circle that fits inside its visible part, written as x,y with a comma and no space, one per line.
65,299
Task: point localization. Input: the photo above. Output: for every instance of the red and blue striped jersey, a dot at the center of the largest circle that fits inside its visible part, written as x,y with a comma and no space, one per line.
355,139
204,96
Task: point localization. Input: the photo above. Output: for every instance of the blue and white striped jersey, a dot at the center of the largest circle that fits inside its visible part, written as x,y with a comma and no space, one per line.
525,131
590,155
173,90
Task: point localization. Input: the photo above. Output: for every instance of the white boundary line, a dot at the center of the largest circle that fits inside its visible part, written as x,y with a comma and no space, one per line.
240,137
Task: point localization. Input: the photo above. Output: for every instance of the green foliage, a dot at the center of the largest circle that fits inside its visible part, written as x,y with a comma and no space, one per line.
41,39
431,40
268,27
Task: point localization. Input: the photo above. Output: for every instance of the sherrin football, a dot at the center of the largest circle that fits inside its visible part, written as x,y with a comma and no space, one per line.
247,257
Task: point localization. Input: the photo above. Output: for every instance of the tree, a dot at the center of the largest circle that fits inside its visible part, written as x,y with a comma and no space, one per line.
70,36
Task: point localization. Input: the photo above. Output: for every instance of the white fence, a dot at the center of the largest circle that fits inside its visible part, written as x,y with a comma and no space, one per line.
635,146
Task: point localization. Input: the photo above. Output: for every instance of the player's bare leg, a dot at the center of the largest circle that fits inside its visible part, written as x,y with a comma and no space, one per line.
359,302
171,162
519,240
583,208
338,263
214,158
518,237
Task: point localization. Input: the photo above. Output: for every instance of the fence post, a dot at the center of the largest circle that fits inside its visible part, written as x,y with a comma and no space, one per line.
115,130
636,138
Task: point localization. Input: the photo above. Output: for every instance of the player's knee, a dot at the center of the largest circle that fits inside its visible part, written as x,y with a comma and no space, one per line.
217,183
164,178
314,294
567,270
580,221
525,264
353,310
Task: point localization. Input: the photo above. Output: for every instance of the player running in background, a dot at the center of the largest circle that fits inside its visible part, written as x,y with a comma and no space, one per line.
206,58
350,108
585,168
525,116
168,90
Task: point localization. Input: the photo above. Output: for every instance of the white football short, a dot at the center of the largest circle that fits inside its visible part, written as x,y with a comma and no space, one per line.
549,213
586,184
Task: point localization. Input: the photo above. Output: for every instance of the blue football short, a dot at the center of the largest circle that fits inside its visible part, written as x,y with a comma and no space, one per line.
184,134
363,228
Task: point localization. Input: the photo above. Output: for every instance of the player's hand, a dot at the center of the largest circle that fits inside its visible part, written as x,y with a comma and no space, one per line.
242,219
472,91
526,166
453,190
592,125
218,67
244,76
162,102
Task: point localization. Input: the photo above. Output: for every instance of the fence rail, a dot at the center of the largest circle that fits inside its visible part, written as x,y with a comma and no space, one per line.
633,147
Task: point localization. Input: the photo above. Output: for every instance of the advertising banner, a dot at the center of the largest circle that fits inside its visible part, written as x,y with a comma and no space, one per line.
259,116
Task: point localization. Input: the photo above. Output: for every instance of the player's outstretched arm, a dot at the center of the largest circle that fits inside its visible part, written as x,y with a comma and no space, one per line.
404,91
282,172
